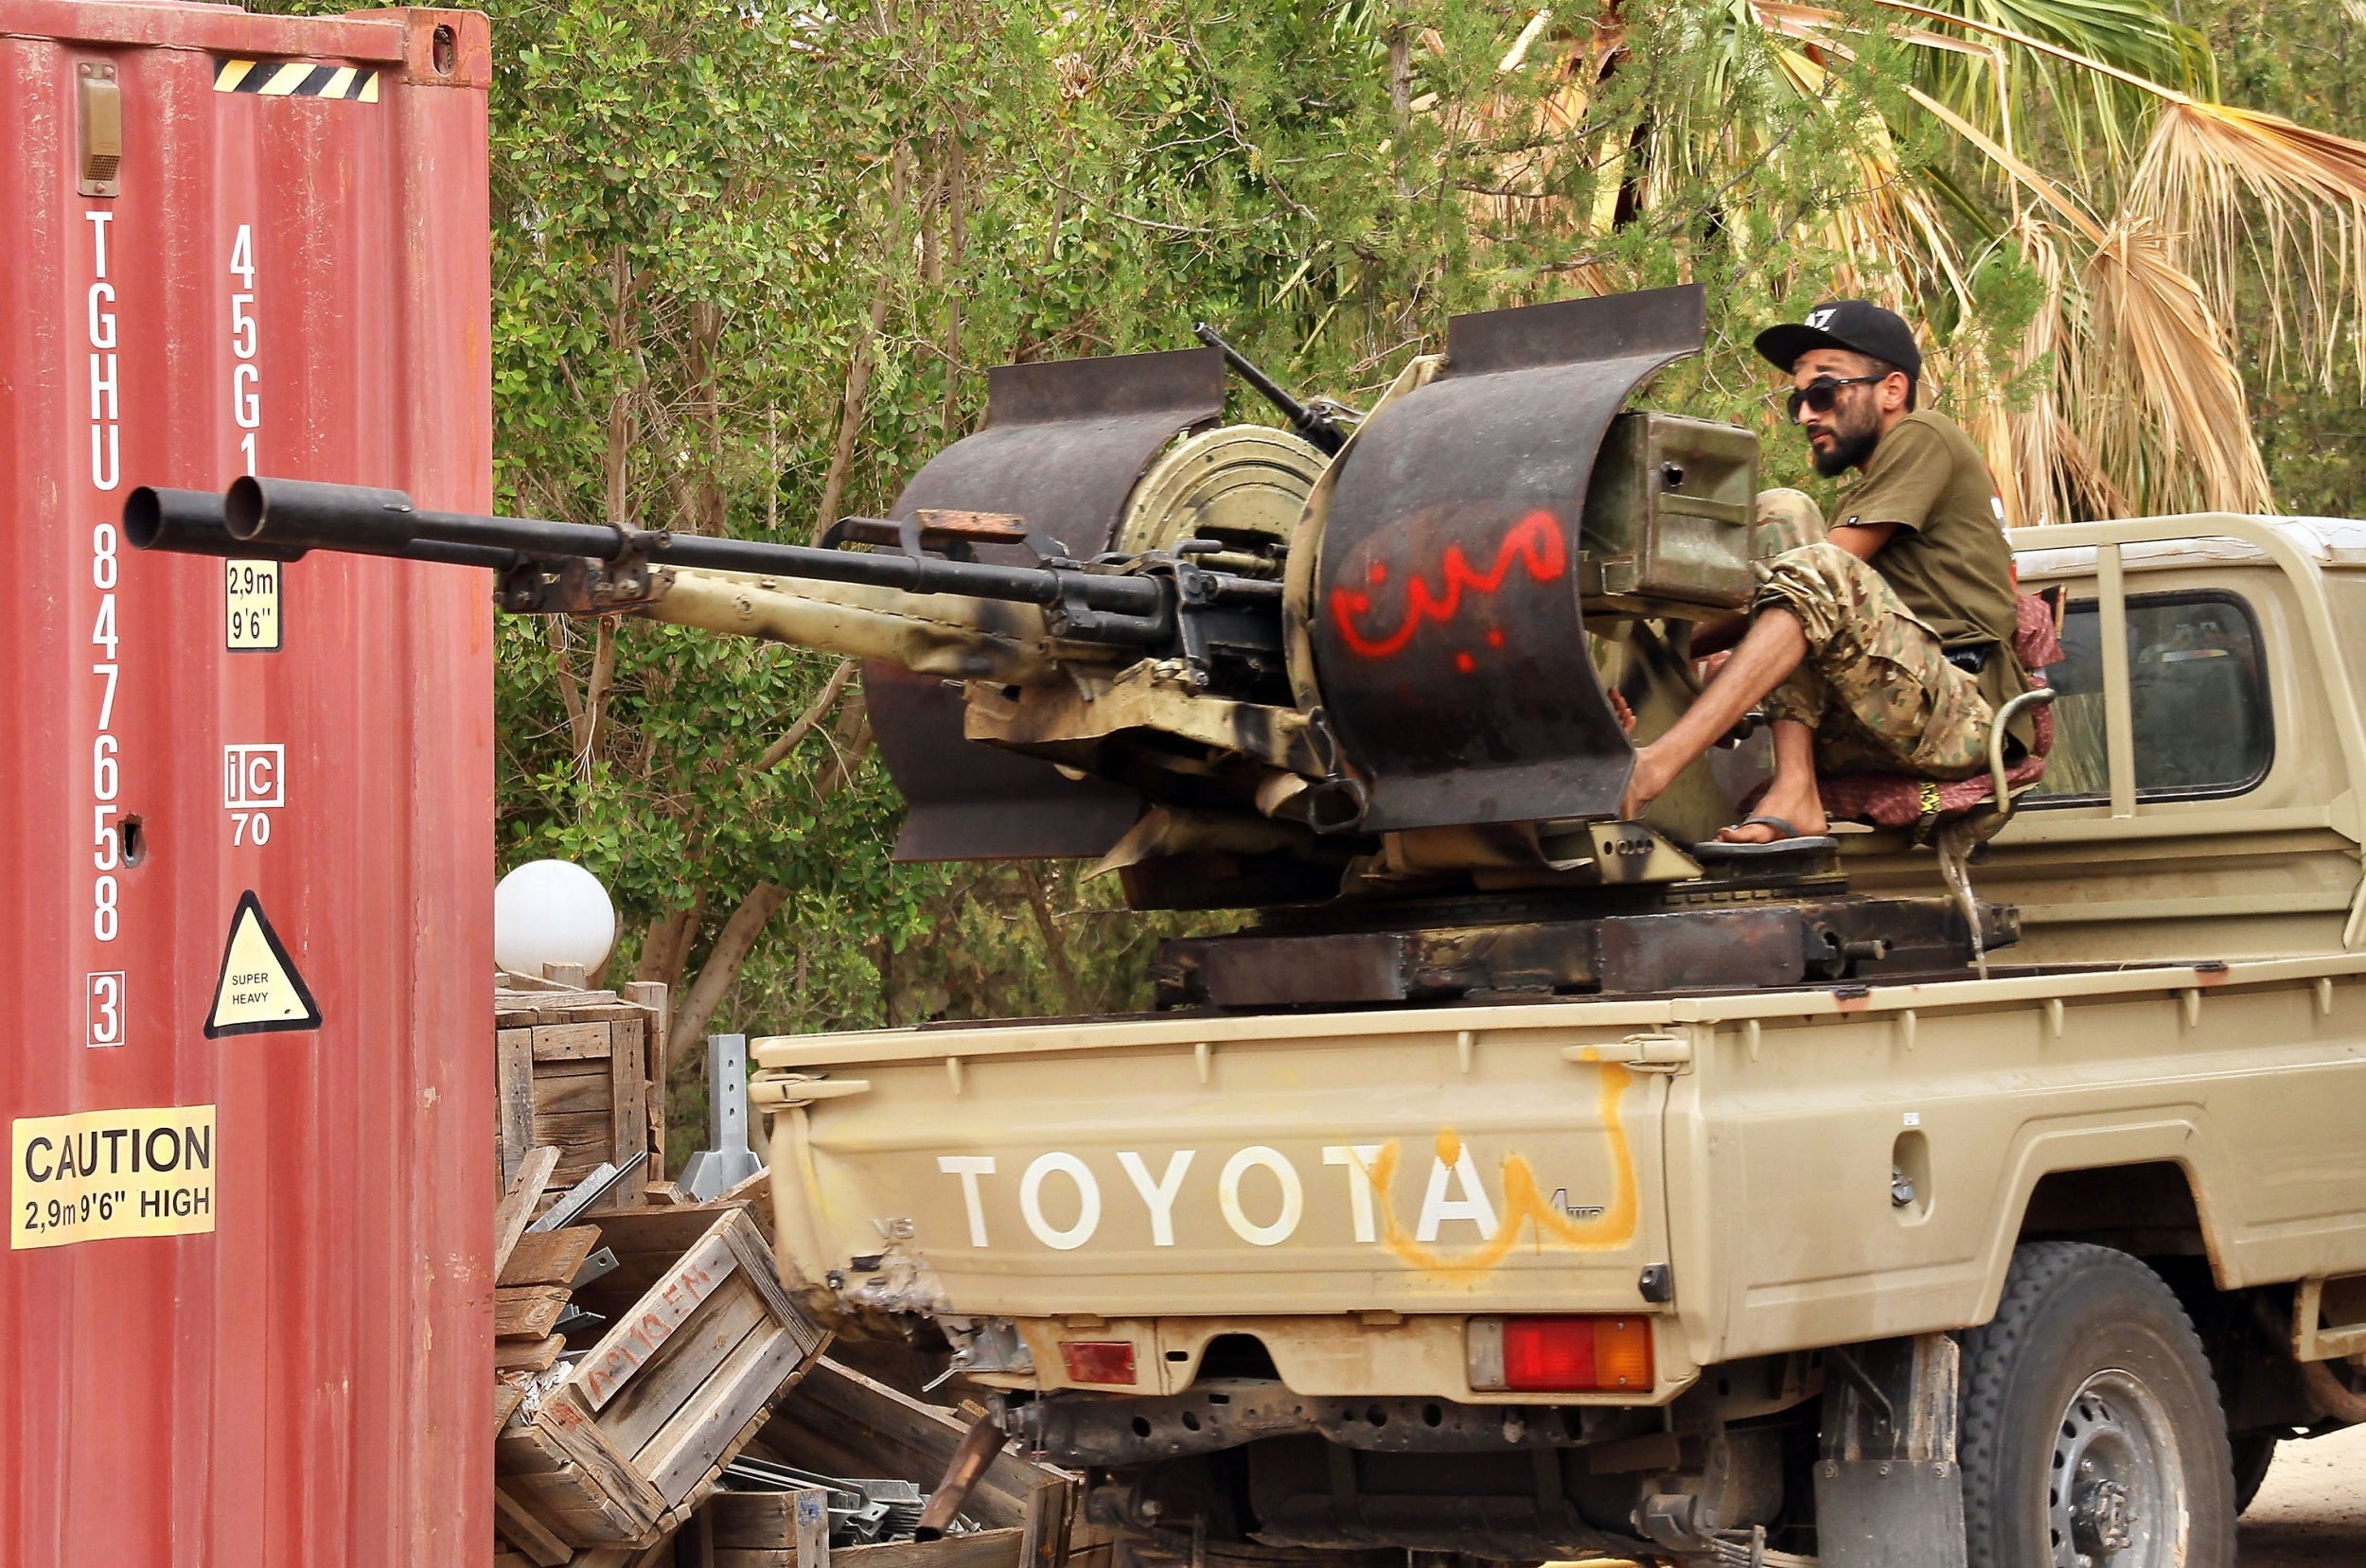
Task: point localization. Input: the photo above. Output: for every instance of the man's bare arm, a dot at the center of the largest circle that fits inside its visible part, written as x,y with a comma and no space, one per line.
1862,540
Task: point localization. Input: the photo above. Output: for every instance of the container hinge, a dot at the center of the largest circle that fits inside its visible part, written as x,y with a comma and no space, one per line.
1646,1052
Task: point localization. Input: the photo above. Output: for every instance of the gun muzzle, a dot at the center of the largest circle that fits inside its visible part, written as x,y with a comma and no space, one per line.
1312,425
199,523
288,516
192,522
279,515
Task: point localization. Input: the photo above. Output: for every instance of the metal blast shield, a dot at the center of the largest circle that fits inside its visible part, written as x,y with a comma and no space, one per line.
1445,626
1063,443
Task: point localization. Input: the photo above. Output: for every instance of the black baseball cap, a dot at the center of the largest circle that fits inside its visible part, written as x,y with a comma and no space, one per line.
1857,325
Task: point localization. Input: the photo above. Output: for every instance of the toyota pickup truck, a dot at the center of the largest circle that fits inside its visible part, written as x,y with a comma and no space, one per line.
2035,1268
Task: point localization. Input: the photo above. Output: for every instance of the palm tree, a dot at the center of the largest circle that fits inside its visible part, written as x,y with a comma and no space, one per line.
2171,240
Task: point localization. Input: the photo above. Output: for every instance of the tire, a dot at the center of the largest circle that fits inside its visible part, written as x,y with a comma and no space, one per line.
2253,1452
2091,1368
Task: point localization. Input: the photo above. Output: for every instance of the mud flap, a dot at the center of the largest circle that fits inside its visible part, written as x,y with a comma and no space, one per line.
1889,1492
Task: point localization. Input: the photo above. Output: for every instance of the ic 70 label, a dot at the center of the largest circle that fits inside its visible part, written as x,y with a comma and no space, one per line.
253,784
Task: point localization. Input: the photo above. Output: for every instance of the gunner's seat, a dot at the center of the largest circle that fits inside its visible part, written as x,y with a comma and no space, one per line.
1957,816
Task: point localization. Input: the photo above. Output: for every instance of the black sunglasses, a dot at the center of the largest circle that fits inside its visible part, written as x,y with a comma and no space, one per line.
1822,393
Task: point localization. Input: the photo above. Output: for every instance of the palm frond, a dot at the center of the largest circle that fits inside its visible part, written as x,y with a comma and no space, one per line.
2102,116
2157,387
2241,192
2024,445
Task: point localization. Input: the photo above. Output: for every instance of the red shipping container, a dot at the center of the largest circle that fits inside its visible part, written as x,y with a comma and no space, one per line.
246,843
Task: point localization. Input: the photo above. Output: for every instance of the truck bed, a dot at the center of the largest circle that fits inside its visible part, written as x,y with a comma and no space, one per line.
1800,1167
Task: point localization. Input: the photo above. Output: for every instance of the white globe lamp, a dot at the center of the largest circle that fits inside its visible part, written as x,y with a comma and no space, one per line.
551,911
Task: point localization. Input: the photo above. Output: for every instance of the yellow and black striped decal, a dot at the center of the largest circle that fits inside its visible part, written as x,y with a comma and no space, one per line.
297,79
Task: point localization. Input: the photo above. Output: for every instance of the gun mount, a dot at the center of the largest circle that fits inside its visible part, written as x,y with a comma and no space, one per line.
1365,690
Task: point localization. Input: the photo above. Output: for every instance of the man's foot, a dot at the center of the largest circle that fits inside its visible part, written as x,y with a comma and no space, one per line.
1780,814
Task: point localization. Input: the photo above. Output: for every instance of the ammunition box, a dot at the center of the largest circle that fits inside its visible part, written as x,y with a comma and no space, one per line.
1669,512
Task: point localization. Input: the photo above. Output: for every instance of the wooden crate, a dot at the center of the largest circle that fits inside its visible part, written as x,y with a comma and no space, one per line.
758,1530
584,1072
621,1450
844,1424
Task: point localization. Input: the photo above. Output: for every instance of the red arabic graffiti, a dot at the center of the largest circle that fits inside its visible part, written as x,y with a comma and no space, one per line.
1534,541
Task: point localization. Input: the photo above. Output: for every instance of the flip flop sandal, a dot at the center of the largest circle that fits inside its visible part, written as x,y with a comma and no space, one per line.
1793,842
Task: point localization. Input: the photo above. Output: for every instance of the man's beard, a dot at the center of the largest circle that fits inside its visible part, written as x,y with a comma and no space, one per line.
1848,449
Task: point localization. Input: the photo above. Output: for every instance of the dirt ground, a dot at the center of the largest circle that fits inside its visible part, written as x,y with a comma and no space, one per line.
2312,1511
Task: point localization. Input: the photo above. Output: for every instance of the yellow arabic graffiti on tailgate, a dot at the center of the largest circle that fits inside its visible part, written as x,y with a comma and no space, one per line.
1525,1201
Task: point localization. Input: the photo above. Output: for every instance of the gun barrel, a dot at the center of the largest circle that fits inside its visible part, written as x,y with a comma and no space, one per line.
1313,424
196,522
264,516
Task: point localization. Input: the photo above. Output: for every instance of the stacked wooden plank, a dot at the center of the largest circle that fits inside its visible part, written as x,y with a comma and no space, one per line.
621,1397
840,1422
630,1431
531,1293
580,1071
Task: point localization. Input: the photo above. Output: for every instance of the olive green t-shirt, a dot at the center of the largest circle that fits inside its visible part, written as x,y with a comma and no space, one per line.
1947,558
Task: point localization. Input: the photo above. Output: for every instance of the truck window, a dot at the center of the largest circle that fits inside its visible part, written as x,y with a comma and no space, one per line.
2197,690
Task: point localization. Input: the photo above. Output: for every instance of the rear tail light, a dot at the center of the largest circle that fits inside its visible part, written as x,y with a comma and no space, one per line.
1561,1355
1099,1361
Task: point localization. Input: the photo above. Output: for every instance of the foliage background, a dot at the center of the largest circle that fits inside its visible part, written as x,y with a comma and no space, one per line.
749,262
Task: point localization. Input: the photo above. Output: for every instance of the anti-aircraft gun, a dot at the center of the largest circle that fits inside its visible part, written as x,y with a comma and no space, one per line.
1363,691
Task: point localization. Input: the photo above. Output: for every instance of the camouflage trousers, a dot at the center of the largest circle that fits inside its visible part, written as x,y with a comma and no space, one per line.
1876,687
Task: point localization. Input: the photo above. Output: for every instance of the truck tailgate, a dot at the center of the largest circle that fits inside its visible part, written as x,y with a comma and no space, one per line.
1496,1158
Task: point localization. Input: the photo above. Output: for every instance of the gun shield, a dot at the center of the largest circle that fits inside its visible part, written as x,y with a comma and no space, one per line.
1447,640
1064,445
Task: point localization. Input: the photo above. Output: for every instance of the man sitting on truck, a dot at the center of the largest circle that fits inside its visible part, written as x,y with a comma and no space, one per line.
1887,646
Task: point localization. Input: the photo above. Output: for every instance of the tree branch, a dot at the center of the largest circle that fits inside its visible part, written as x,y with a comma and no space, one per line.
665,947
622,341
858,362
586,715
778,751
1055,941
956,242
851,745
733,944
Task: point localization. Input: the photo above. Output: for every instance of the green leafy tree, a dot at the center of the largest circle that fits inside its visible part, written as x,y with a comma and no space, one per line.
749,262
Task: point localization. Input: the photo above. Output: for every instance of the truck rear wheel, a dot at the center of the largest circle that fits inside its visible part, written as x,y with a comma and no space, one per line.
2253,1452
2092,1433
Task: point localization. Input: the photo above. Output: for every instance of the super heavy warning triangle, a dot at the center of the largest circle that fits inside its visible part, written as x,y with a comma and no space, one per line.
259,990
